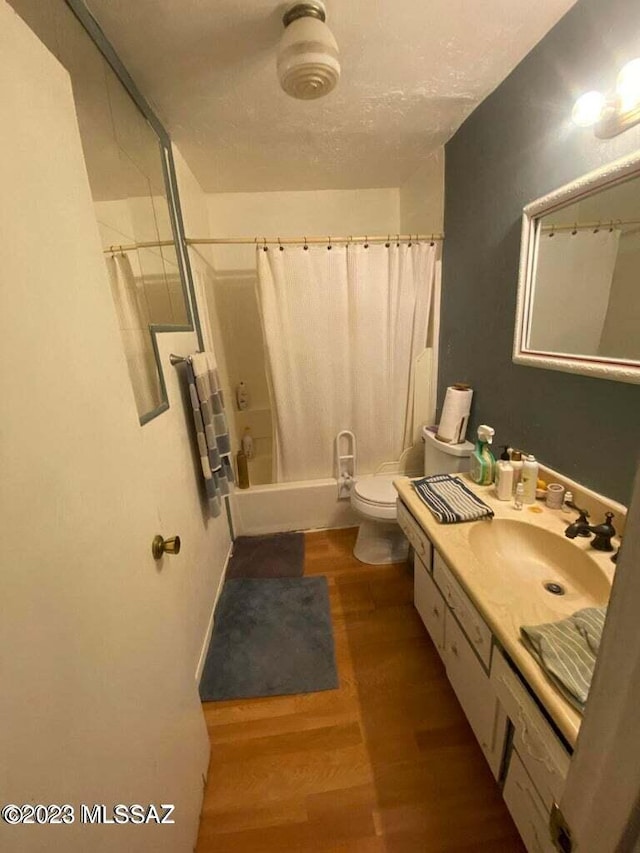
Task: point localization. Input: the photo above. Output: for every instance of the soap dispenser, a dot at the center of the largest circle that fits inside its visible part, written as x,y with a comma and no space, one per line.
483,463
504,476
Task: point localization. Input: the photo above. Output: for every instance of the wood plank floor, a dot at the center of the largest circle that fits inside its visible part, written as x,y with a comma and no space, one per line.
386,763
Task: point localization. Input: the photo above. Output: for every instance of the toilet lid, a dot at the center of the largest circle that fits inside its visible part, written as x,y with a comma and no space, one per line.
377,490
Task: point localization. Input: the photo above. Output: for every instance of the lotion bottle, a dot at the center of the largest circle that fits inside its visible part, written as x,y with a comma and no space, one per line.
529,479
516,464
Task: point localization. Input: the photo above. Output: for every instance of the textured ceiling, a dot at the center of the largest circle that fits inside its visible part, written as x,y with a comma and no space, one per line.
412,71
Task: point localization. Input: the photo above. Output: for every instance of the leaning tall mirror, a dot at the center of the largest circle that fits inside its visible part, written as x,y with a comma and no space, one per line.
128,161
578,296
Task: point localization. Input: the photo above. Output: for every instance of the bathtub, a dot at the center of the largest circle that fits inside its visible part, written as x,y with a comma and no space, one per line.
305,505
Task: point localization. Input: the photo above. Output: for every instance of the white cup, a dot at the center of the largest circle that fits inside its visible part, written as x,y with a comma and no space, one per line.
555,495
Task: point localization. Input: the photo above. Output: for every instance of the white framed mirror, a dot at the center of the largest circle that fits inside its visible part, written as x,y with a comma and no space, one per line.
578,307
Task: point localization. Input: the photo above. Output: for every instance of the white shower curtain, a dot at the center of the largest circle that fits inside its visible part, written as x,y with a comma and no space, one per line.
343,328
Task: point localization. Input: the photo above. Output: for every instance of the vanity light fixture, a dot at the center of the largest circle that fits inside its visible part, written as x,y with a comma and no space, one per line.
614,113
308,56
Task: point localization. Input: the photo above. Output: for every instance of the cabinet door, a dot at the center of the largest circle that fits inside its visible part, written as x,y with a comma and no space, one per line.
475,693
544,757
429,603
527,809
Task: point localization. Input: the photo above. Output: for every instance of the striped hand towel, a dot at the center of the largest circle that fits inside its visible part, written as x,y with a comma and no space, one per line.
212,433
450,500
567,650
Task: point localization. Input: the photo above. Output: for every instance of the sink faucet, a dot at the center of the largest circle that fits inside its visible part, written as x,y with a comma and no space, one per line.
603,533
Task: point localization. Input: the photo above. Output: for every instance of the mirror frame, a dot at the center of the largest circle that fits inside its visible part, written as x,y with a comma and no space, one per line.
94,31
620,370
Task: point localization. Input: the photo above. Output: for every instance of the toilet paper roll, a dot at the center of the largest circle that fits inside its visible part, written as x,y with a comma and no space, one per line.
455,414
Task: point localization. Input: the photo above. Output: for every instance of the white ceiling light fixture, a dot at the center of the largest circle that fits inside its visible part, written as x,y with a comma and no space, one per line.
308,56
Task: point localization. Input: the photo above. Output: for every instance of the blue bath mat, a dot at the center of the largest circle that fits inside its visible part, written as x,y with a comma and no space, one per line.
277,555
270,638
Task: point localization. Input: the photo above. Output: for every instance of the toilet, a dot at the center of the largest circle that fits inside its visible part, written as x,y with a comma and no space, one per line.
380,539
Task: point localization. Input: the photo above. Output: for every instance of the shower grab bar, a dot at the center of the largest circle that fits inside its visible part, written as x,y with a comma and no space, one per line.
345,464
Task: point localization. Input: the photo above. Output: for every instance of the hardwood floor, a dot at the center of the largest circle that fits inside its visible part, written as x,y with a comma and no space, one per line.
386,763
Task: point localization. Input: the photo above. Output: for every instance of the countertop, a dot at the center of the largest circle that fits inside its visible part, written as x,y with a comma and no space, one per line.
500,597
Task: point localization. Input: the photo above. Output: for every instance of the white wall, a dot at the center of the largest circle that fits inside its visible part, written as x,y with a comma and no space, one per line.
422,197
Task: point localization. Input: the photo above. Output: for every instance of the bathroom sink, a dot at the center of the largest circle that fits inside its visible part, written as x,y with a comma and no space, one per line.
553,565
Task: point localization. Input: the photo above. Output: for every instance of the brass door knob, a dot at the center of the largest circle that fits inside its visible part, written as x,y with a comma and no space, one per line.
161,546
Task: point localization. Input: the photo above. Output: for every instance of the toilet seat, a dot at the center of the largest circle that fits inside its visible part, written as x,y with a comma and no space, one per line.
375,496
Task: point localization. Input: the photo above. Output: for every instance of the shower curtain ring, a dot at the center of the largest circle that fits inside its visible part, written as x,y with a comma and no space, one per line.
281,246
366,241
265,248
329,247
575,229
305,247
397,241
388,243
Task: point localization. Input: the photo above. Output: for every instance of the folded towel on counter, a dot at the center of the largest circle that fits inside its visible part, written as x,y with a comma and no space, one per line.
450,500
567,650
590,623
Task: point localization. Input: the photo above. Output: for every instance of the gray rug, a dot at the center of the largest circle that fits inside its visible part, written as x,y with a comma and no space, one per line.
278,555
270,638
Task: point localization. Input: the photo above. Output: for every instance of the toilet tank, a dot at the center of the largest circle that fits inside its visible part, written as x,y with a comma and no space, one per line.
441,458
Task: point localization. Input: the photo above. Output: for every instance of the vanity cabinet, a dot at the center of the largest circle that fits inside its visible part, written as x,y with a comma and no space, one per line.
534,761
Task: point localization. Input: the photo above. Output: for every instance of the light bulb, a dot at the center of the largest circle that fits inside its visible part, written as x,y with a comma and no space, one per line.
588,109
628,85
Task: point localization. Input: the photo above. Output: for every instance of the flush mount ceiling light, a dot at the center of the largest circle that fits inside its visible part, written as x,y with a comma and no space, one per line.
308,64
611,114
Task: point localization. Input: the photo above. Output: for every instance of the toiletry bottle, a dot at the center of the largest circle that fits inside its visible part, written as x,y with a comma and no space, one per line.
247,443
566,502
529,479
242,396
243,470
483,462
517,501
516,464
504,480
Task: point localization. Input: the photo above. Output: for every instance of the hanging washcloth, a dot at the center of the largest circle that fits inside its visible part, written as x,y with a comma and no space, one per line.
212,432
450,500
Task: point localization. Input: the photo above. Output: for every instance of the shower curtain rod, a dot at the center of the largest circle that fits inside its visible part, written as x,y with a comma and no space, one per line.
304,241
601,225
275,241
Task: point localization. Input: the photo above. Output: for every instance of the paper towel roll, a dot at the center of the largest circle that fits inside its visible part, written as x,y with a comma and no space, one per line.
455,414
